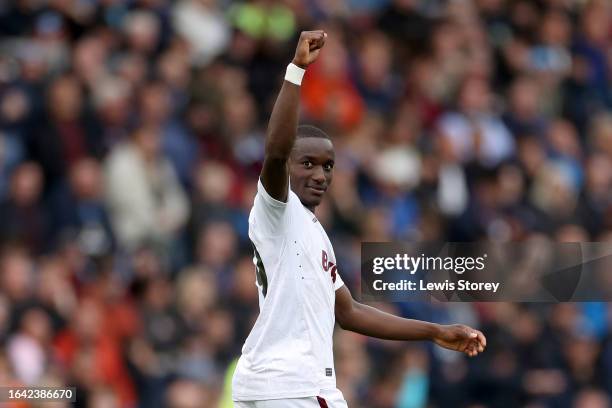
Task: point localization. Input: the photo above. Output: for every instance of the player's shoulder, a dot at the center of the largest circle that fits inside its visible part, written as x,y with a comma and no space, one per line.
270,217
293,199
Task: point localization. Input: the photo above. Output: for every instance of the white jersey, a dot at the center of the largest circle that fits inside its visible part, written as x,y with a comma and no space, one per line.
288,353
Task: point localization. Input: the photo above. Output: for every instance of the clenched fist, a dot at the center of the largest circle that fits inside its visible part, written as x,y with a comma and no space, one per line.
308,48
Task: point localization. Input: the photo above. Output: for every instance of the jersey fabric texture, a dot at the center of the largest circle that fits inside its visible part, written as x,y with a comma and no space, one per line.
326,399
288,353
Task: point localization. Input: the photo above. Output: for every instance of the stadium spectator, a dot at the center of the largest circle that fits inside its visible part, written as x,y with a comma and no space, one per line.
22,213
157,206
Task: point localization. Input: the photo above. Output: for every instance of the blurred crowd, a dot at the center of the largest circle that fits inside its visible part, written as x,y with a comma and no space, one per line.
131,138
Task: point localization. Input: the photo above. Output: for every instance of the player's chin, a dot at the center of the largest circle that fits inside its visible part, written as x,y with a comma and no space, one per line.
314,200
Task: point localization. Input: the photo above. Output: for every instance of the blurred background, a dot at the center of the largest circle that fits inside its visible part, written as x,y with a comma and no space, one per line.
131,138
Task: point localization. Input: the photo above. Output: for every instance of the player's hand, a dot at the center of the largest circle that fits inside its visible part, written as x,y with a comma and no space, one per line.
459,337
308,48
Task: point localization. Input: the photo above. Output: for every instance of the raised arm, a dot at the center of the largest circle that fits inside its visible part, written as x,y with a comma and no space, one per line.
354,316
284,119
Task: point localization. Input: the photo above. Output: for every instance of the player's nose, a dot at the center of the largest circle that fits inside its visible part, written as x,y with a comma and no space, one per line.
318,175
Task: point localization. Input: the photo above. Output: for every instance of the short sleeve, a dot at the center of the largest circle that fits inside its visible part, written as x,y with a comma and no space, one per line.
338,283
268,215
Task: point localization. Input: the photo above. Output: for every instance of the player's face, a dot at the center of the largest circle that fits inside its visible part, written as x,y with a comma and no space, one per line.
311,169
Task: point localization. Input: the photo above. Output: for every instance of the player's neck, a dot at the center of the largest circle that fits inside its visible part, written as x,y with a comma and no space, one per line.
309,208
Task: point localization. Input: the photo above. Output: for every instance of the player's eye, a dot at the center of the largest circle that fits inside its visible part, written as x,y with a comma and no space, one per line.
307,164
328,166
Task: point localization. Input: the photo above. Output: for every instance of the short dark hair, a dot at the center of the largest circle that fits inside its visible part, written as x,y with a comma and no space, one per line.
310,131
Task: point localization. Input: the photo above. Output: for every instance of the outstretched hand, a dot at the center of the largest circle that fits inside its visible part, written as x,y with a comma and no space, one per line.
308,48
459,337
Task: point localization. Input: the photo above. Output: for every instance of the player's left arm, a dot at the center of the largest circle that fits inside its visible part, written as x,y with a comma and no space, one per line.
354,316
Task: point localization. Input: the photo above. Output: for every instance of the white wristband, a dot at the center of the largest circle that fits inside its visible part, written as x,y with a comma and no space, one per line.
294,74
